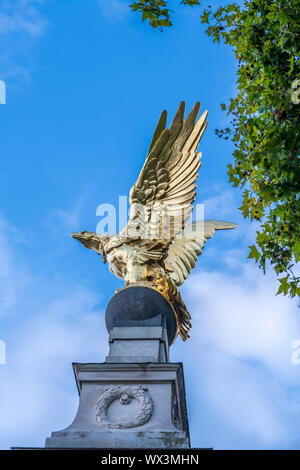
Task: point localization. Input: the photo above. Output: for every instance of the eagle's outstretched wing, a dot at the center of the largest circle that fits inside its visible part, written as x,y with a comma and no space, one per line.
162,198
187,246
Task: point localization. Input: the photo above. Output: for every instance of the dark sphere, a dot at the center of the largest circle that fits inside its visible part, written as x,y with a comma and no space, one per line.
140,306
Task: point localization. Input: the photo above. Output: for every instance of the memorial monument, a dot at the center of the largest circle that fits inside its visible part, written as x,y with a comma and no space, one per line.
136,397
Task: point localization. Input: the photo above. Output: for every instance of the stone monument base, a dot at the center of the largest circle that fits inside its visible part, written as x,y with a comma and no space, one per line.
127,405
117,440
136,398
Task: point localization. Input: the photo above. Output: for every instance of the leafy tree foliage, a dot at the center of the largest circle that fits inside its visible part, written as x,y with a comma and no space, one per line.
156,11
265,130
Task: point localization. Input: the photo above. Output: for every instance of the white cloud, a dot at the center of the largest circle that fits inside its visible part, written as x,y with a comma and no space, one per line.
21,16
222,205
14,276
45,328
21,24
242,335
37,388
67,220
245,388
114,10
244,318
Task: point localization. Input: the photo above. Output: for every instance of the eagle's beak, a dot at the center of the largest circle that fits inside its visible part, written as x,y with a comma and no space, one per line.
76,235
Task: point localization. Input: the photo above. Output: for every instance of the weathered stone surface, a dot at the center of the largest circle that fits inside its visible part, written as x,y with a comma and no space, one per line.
119,439
110,411
129,406
138,344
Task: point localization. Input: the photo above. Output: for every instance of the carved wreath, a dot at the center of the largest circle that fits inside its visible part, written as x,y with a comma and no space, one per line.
125,394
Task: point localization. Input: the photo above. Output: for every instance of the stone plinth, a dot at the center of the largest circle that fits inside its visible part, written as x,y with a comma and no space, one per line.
136,398
127,406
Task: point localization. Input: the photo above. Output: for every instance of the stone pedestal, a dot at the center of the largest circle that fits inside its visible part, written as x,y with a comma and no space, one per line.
127,406
138,344
136,398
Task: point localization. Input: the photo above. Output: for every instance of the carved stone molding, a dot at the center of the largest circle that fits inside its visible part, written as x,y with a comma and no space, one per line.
125,394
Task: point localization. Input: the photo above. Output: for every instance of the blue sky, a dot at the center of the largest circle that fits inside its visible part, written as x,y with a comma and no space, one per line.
86,82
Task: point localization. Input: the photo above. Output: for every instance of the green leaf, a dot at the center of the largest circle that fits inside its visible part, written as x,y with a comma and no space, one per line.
296,250
254,253
284,286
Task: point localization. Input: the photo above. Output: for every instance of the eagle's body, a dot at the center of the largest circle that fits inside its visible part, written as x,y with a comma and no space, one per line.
123,262
158,248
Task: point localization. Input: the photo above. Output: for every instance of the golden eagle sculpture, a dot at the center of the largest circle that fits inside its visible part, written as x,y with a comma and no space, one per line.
159,247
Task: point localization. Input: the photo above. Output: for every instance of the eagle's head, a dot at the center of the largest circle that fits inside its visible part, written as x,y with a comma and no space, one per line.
93,241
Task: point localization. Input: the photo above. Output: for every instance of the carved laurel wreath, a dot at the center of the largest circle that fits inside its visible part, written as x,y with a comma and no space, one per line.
125,394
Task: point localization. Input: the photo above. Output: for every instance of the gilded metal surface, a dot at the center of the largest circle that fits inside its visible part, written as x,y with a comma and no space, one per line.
158,248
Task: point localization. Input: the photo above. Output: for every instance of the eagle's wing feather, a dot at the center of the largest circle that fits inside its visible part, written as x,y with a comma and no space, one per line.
162,198
187,246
